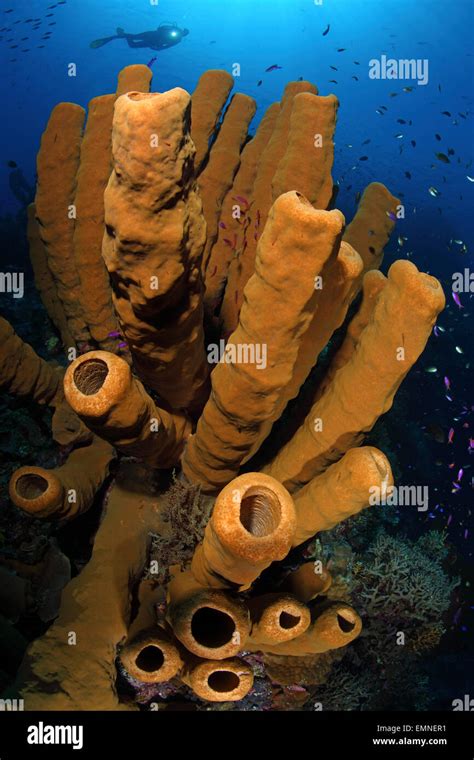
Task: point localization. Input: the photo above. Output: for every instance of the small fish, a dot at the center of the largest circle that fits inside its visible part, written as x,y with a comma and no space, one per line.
460,474
115,334
356,78
363,158
471,179
334,68
434,192
401,241
438,137
222,226
401,121
408,175
450,435
457,300
431,370
122,345
381,113
447,383
413,142
341,50
274,67
326,31
450,152
445,113
366,142
458,349
241,199
260,82
399,136
442,157
151,61
391,216
408,89
357,63
12,164
333,81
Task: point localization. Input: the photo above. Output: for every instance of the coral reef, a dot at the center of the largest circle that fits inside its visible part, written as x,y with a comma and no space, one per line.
169,237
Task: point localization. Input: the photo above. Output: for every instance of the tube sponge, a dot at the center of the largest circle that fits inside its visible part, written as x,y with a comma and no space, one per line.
67,491
277,618
153,244
208,622
57,164
24,373
151,657
252,525
343,490
365,386
217,176
92,177
262,198
208,100
247,397
372,224
101,389
219,680
44,280
307,162
334,626
234,211
134,78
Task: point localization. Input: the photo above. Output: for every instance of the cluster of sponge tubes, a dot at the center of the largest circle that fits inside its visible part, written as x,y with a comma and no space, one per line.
160,224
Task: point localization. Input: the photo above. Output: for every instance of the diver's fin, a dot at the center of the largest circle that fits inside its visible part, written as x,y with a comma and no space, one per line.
99,43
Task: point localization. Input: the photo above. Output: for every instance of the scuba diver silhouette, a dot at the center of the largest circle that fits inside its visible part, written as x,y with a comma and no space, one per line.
165,36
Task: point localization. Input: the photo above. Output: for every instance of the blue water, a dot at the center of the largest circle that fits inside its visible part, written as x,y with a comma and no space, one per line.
257,34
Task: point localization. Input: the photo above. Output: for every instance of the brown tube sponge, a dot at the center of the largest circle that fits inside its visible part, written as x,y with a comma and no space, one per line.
219,680
334,627
151,657
24,373
92,177
339,284
365,386
277,618
208,100
248,395
57,165
44,280
372,285
243,264
101,389
343,490
209,623
218,174
153,244
67,491
307,582
235,210
372,226
251,526
134,78
307,162
96,607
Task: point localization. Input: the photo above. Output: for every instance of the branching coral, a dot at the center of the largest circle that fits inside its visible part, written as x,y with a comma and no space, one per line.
194,203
